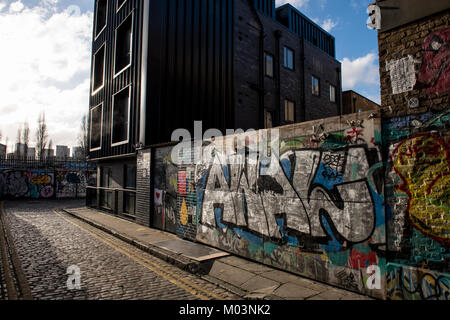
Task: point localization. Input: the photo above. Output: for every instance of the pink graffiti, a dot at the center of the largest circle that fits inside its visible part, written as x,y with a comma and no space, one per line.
434,75
47,192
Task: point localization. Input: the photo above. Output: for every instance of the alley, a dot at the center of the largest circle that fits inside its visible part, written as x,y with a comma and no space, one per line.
51,245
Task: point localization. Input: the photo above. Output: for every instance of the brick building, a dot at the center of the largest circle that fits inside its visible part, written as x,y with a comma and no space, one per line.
161,65
353,102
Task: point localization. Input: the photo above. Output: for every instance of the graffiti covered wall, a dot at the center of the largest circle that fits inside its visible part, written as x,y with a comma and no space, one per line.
416,118
67,182
33,184
317,210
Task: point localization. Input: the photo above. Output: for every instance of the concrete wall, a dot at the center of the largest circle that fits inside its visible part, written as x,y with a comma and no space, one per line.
415,85
319,213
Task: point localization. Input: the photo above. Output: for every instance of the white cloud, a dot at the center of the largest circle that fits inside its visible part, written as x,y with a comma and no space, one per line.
361,71
2,6
16,7
296,3
45,62
327,24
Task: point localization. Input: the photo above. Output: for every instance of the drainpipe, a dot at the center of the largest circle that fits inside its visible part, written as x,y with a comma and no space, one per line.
339,91
144,70
261,89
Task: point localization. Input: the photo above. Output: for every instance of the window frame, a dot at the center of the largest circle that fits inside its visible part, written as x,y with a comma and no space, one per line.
121,6
334,95
286,101
268,55
98,33
117,73
115,144
285,50
312,86
101,128
95,91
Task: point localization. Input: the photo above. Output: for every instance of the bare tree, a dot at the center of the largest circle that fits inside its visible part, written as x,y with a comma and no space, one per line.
83,141
41,136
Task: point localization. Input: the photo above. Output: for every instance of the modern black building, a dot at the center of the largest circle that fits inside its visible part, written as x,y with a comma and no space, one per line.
160,65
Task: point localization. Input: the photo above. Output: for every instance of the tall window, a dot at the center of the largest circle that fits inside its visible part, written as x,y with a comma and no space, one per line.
268,65
332,93
288,58
101,9
98,77
315,86
121,114
123,45
289,111
96,127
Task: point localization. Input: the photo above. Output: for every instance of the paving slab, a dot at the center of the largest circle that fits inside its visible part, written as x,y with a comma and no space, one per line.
260,285
255,268
230,274
293,291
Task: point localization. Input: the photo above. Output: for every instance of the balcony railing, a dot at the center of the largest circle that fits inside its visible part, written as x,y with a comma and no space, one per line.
117,201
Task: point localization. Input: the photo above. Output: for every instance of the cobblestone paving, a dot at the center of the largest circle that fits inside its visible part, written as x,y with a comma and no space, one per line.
49,242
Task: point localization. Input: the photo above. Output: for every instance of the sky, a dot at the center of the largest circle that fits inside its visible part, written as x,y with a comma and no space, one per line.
45,59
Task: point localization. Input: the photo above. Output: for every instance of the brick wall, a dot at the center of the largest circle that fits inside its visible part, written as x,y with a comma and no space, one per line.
143,200
415,84
286,83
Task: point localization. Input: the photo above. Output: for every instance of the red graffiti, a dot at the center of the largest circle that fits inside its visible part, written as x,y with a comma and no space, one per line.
358,260
434,75
182,182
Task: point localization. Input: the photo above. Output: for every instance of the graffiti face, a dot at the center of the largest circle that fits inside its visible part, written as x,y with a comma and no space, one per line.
435,71
422,162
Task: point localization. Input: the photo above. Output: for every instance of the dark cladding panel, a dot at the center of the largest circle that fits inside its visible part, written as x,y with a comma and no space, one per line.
114,82
190,67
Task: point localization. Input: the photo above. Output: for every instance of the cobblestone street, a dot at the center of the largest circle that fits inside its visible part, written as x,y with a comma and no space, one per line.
48,242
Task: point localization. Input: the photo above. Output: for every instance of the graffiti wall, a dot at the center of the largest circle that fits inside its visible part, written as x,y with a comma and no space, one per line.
165,194
45,184
317,209
416,122
33,184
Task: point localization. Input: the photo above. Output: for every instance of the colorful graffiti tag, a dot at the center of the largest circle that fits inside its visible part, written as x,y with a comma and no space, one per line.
434,75
45,184
405,283
30,184
423,164
320,211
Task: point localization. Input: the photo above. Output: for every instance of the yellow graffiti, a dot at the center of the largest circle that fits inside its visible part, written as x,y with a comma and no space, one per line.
44,179
184,214
423,164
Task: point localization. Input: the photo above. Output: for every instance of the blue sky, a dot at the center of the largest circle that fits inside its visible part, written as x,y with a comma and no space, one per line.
46,48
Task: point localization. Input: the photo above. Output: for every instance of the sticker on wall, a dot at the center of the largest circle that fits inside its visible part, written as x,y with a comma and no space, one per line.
158,197
403,74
